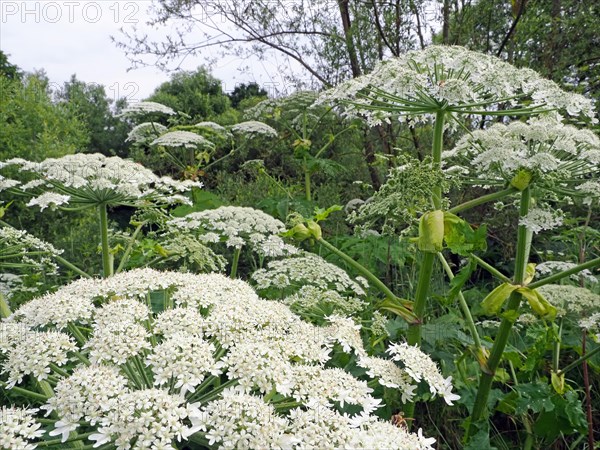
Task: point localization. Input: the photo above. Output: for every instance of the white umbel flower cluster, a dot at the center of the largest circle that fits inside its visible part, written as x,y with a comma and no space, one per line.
86,395
306,270
143,108
185,139
18,427
145,132
464,80
153,417
421,367
554,154
137,379
86,180
33,354
569,299
253,128
538,219
18,247
237,226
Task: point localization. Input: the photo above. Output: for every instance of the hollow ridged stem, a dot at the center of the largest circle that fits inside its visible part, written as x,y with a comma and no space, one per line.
408,315
107,269
487,377
235,262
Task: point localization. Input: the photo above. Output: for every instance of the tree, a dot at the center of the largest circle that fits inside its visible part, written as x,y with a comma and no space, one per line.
33,127
197,94
557,38
88,101
329,44
246,91
8,70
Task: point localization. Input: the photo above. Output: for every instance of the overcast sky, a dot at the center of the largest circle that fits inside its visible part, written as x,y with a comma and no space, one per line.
73,37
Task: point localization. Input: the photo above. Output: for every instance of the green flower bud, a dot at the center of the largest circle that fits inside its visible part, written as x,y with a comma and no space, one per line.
315,230
521,180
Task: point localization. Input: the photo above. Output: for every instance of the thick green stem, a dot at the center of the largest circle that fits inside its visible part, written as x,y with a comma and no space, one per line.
559,276
76,437
426,267
372,279
580,360
556,347
463,306
4,308
235,262
71,266
129,248
27,393
483,199
307,182
491,269
487,377
107,268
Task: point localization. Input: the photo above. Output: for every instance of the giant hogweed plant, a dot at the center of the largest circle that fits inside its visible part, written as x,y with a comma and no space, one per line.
150,360
541,161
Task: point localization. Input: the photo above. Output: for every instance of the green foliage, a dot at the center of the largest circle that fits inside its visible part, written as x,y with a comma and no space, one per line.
195,93
89,103
33,127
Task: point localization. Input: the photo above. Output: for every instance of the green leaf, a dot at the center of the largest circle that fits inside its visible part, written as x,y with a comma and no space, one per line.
322,214
460,237
495,299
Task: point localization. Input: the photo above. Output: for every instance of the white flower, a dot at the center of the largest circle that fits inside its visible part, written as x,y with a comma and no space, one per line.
253,128
7,183
240,420
47,199
145,132
421,367
462,79
538,219
90,179
184,359
389,375
86,395
116,342
550,267
185,139
18,427
308,269
236,226
140,108
33,354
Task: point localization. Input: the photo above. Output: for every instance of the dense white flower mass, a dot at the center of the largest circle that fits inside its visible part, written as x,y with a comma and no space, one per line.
185,139
237,226
463,80
216,362
89,179
7,183
141,108
253,128
18,427
554,154
306,270
571,299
